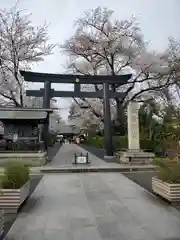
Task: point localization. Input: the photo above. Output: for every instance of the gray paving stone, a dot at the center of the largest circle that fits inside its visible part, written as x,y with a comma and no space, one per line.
57,222
73,206
87,233
77,223
122,237
65,156
27,235
137,232
108,229
57,235
122,213
161,221
31,236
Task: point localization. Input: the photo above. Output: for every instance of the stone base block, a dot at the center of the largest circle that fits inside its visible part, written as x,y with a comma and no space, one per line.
110,158
169,191
31,159
136,157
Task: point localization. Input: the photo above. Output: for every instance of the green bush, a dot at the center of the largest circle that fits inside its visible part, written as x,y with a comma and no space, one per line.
119,143
95,141
98,141
147,145
168,170
16,174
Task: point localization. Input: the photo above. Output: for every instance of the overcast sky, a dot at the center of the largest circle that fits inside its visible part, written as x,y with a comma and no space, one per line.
158,19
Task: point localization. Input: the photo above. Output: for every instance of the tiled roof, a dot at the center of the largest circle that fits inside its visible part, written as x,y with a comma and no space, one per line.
14,113
68,129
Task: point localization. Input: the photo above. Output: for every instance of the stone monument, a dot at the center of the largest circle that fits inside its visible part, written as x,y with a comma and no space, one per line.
134,154
133,126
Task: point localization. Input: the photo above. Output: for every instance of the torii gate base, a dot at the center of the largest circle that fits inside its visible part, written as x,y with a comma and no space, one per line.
77,80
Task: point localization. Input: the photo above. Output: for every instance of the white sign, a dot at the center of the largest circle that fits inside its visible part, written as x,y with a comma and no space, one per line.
15,137
133,126
81,159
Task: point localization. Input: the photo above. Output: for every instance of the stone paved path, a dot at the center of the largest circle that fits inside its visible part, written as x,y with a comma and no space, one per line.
65,156
94,206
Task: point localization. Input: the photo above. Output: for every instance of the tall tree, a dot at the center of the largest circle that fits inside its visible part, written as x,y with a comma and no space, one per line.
149,118
101,45
21,44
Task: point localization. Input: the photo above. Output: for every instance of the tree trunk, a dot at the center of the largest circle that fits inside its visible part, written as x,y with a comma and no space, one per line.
118,110
21,98
121,121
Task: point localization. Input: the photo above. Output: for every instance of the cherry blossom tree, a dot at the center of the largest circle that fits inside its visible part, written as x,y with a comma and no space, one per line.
169,96
21,44
114,47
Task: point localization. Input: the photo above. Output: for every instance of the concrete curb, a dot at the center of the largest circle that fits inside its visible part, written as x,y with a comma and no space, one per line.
89,170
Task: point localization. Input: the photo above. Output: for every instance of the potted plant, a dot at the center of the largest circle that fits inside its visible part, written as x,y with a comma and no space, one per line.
15,186
167,181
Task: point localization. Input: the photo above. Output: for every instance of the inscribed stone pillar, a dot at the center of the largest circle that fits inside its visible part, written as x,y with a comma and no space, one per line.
133,126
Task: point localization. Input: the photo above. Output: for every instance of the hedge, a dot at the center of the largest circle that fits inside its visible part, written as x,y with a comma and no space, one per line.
119,142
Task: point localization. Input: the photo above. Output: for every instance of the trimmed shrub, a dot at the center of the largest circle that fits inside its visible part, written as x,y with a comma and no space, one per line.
95,141
119,143
16,174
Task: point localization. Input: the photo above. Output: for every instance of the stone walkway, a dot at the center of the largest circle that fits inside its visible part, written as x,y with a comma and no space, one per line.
94,206
65,156
62,163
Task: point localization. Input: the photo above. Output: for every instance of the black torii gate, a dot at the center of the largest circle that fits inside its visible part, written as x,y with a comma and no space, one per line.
47,93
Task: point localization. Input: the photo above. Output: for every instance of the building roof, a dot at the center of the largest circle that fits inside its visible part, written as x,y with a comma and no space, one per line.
67,129
23,113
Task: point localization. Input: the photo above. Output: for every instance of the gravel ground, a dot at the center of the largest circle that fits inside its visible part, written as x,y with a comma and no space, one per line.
10,218
141,178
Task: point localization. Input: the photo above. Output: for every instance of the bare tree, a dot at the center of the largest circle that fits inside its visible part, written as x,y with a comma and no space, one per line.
115,47
21,44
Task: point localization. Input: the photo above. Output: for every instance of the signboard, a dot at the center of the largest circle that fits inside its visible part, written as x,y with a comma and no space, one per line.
81,159
15,137
133,126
